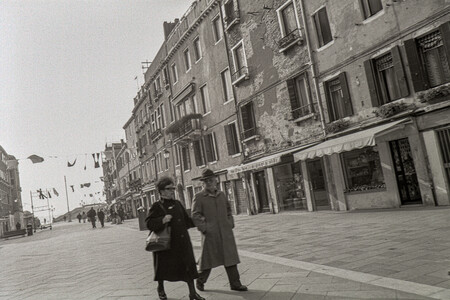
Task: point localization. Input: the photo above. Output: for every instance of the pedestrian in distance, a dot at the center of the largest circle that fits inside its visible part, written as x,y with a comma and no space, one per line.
65,218
101,217
84,217
79,218
177,263
211,213
121,213
91,215
18,226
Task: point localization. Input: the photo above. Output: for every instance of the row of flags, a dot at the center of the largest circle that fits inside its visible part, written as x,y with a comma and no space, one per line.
47,194
35,159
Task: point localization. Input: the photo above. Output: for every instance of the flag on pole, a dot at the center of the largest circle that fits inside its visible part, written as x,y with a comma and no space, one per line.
55,192
12,164
35,159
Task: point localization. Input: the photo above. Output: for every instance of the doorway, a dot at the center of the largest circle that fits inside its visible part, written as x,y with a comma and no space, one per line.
261,192
317,185
405,172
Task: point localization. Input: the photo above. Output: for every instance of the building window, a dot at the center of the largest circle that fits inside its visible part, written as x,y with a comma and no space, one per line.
187,59
172,111
166,162
177,158
153,121
322,25
210,147
428,59
338,98
231,12
239,62
199,153
174,73
158,163
299,96
287,18
371,7
226,85
232,138
165,76
290,189
197,49
386,78
217,29
206,104
186,158
248,121
160,117
362,169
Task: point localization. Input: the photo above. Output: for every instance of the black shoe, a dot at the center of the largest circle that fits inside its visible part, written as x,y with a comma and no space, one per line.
200,286
241,288
196,297
162,294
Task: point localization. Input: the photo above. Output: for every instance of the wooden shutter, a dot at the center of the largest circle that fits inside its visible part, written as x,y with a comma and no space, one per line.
346,94
229,138
215,149
399,71
198,153
208,148
445,35
370,76
293,97
328,100
418,74
246,123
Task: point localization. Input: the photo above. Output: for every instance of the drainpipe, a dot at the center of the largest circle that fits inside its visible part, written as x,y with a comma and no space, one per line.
313,69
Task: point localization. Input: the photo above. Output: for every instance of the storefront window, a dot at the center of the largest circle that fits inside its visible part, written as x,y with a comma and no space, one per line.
289,183
362,169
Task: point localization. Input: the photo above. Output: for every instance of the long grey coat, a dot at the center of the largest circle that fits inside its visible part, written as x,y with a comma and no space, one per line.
212,216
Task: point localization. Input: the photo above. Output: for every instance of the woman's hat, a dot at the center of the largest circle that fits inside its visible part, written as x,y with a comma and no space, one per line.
206,174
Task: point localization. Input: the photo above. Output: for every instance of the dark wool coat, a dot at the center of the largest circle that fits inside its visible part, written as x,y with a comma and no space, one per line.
212,216
178,263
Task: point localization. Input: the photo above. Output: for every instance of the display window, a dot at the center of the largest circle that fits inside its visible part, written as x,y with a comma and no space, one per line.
290,189
362,169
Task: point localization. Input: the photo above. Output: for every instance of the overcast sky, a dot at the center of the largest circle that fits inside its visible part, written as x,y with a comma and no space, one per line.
67,70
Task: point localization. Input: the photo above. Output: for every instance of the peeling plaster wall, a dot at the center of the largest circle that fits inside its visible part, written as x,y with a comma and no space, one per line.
259,29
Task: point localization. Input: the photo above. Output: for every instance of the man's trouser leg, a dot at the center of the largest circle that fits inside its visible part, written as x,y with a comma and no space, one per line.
203,276
233,276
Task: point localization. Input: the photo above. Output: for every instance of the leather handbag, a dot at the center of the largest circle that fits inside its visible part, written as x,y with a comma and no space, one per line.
159,241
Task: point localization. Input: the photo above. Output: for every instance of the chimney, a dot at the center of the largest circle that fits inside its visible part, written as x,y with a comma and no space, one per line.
168,27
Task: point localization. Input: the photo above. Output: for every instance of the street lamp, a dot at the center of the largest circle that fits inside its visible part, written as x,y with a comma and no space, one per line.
166,153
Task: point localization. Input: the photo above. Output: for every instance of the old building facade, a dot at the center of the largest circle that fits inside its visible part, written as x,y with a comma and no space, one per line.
300,104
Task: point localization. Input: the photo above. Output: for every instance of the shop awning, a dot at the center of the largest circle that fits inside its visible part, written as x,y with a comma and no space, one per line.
263,162
348,142
148,187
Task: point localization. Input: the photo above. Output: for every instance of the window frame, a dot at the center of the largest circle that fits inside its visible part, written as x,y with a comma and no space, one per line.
252,119
217,21
365,6
173,67
187,59
281,17
345,98
202,88
233,146
245,62
198,53
319,29
227,90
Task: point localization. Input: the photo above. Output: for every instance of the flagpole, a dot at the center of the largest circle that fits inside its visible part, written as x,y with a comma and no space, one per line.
32,210
67,198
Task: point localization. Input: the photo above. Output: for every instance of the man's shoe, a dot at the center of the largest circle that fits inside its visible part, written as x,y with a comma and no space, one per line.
196,297
241,288
200,286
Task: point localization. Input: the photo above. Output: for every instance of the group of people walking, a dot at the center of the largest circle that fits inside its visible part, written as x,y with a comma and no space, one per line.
211,214
92,216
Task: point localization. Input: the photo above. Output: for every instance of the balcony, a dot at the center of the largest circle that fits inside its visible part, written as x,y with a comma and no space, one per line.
156,135
290,40
157,94
232,17
240,75
249,134
302,112
187,128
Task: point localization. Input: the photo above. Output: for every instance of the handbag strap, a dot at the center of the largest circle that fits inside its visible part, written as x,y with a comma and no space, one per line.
165,213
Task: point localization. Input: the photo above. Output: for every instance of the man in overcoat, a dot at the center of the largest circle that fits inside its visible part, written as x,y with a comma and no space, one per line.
211,213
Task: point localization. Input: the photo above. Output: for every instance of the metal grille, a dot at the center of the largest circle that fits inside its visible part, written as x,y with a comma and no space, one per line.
384,62
444,143
430,41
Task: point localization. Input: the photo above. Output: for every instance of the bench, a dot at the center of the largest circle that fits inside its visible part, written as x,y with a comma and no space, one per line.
19,232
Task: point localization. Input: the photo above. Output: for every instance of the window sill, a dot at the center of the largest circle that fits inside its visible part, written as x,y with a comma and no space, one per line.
253,137
373,17
205,114
213,162
187,71
298,41
325,46
198,60
366,191
236,155
187,171
202,166
242,78
235,21
217,41
228,101
309,116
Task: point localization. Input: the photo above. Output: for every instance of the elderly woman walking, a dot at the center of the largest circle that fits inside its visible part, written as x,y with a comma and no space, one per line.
177,263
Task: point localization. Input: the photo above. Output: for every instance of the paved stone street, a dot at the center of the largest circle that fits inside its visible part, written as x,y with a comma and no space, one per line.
386,254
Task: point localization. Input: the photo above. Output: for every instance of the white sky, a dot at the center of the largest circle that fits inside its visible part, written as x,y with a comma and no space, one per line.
67,70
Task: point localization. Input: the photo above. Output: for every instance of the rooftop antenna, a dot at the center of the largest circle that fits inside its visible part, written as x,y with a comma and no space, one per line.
137,82
145,64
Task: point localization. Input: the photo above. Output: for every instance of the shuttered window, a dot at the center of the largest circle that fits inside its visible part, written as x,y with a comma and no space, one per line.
322,25
210,147
186,158
386,78
371,7
299,96
232,139
338,98
248,121
199,153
